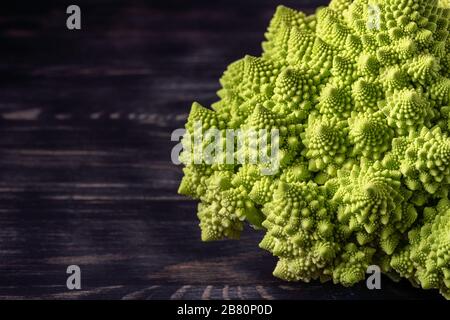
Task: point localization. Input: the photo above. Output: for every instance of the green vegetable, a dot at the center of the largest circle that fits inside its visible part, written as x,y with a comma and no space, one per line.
360,95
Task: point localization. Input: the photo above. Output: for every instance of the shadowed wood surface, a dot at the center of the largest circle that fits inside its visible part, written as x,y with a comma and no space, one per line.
85,170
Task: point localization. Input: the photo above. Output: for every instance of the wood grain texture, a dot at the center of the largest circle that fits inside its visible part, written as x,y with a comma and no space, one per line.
85,171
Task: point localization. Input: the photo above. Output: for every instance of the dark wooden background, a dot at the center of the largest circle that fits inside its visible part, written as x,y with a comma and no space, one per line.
85,170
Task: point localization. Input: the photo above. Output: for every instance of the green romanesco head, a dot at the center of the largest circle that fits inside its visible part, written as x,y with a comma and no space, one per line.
358,94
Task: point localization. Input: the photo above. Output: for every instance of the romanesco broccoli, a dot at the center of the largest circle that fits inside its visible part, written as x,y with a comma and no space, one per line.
360,95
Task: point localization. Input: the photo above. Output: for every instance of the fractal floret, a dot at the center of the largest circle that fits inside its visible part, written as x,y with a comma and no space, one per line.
334,143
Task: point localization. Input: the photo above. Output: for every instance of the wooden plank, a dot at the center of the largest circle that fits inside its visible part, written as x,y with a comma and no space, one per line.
85,171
